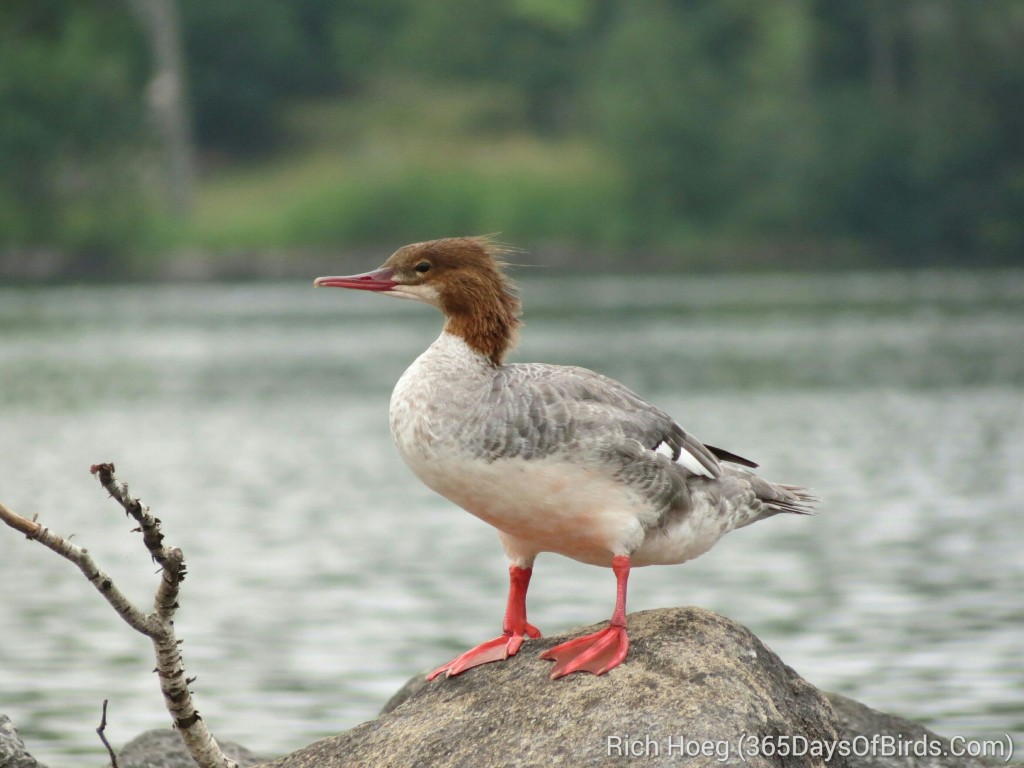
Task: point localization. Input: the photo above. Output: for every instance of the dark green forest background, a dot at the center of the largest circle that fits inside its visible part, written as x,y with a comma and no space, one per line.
711,132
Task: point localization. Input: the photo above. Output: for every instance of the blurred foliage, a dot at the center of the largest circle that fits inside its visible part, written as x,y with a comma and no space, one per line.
245,57
416,161
895,124
71,125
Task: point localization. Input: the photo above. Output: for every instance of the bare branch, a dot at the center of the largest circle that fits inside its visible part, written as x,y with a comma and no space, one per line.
158,626
171,560
101,732
150,526
29,527
134,617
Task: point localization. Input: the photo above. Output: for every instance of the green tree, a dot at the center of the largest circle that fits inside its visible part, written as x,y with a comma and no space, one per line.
71,80
248,59
708,105
922,105
533,49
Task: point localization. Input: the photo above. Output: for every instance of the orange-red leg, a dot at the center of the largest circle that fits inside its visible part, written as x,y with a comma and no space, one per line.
515,628
601,651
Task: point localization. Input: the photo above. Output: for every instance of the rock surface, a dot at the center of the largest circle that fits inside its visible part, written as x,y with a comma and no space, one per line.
163,748
693,681
859,724
12,748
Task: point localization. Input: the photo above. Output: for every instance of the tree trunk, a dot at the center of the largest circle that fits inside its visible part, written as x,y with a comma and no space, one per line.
882,51
167,97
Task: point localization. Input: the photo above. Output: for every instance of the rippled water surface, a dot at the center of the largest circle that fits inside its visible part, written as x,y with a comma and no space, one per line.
253,420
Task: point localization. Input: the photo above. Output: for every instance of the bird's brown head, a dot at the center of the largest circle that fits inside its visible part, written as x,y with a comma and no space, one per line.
463,276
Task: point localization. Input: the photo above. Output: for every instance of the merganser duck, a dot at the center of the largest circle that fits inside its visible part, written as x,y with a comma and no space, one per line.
557,458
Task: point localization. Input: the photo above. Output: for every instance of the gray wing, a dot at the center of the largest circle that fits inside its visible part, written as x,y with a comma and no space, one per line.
535,411
544,409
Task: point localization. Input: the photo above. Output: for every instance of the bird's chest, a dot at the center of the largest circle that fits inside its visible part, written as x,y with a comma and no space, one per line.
436,405
440,427
436,430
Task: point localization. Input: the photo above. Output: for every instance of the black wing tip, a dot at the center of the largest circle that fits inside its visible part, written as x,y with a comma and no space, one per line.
732,458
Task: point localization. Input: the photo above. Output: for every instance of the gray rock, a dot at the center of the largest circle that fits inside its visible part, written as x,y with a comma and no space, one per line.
923,748
163,748
693,680
12,748
412,685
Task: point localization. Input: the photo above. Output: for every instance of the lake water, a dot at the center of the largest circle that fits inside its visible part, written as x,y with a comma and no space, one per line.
322,575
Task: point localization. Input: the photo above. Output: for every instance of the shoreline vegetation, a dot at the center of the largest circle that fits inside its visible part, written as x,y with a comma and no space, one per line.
409,162
47,266
189,264
601,135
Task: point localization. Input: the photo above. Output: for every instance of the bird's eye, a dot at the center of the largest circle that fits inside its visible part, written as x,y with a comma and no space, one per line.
423,266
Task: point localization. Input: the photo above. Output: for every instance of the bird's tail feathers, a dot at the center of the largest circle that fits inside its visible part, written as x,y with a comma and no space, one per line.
791,499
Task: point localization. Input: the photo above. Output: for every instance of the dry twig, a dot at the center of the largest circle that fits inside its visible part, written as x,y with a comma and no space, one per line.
158,626
101,731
